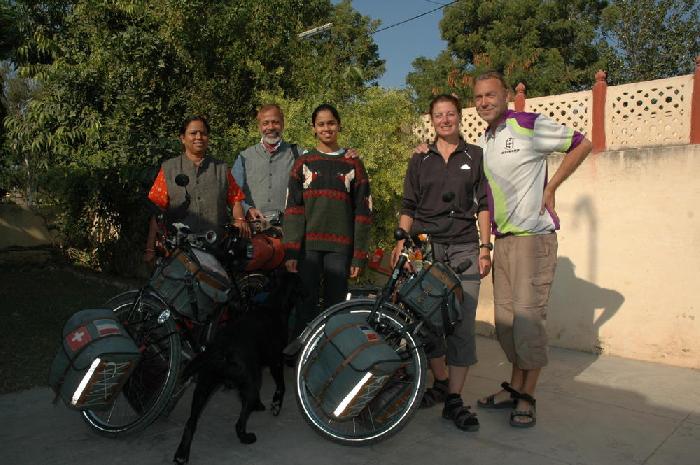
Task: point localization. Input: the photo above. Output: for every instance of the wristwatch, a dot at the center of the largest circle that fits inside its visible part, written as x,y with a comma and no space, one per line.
488,245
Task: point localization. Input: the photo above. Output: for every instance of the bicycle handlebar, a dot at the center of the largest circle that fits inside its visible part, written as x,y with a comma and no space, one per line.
266,222
182,234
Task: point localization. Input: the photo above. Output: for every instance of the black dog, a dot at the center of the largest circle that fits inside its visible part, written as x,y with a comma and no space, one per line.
237,355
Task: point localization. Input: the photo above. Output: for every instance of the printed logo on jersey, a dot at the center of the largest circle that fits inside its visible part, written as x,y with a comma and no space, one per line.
510,147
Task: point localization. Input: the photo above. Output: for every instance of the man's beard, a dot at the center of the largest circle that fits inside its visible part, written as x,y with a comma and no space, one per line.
272,138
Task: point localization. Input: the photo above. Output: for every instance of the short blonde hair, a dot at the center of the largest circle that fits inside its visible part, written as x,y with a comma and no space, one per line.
493,74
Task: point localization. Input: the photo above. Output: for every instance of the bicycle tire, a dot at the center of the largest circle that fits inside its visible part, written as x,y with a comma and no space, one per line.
365,429
149,388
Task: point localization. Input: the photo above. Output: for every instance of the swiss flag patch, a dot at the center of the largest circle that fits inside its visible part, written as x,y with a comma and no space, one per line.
77,338
369,333
106,327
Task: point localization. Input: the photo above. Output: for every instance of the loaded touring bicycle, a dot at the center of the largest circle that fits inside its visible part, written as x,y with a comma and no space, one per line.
361,369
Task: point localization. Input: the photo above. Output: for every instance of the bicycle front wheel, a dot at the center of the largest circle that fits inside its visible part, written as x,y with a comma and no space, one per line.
391,409
146,393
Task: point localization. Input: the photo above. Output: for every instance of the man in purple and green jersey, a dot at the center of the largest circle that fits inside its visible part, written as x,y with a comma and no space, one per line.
524,221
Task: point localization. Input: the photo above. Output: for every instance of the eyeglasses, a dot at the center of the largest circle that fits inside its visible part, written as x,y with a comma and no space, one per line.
449,114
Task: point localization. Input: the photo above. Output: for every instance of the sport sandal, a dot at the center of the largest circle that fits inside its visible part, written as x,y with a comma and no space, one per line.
504,404
530,413
436,394
462,417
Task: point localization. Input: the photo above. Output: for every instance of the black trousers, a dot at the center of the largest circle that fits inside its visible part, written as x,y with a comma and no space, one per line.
334,268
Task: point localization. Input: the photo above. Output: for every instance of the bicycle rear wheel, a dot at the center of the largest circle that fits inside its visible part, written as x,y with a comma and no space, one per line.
146,393
392,408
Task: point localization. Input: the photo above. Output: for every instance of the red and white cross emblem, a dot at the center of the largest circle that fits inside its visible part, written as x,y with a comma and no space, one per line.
77,338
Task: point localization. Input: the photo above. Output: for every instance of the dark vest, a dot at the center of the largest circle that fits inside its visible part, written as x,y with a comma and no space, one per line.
208,187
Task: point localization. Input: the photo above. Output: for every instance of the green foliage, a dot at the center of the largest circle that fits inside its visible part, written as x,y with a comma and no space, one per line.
335,66
9,35
40,26
117,78
15,168
550,45
651,39
9,39
434,77
556,46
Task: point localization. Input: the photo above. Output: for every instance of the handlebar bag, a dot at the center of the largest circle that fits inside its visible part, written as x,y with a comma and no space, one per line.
435,294
350,366
193,284
95,359
268,252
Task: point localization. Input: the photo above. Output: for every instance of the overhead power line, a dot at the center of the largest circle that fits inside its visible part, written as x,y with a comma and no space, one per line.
415,17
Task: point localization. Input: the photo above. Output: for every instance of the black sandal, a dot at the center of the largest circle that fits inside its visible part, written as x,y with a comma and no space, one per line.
491,400
531,413
462,417
436,394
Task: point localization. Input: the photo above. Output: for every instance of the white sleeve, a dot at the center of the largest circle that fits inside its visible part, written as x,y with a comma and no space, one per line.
550,136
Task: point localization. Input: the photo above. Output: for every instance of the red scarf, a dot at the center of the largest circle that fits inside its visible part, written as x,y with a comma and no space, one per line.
271,148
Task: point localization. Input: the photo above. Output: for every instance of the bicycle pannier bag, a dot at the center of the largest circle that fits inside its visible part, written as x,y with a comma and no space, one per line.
425,293
352,363
95,359
193,284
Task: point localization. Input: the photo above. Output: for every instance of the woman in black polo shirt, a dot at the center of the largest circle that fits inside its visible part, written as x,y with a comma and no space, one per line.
451,165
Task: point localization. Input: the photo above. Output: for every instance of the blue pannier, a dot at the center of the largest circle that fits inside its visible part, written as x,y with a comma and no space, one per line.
352,363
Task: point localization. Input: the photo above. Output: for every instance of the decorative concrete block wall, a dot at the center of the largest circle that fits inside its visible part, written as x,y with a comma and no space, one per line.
641,114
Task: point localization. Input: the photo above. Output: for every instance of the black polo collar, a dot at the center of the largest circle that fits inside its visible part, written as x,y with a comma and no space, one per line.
461,147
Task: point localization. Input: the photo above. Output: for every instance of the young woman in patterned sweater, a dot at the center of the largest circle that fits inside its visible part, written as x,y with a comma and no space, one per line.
328,217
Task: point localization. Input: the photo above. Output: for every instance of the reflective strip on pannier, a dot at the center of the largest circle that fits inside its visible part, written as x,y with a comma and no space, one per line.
95,359
192,284
351,365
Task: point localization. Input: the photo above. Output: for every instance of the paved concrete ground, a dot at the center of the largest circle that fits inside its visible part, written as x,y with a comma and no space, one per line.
591,410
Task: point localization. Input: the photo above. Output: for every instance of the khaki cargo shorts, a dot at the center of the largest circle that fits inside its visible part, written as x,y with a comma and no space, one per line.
523,270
